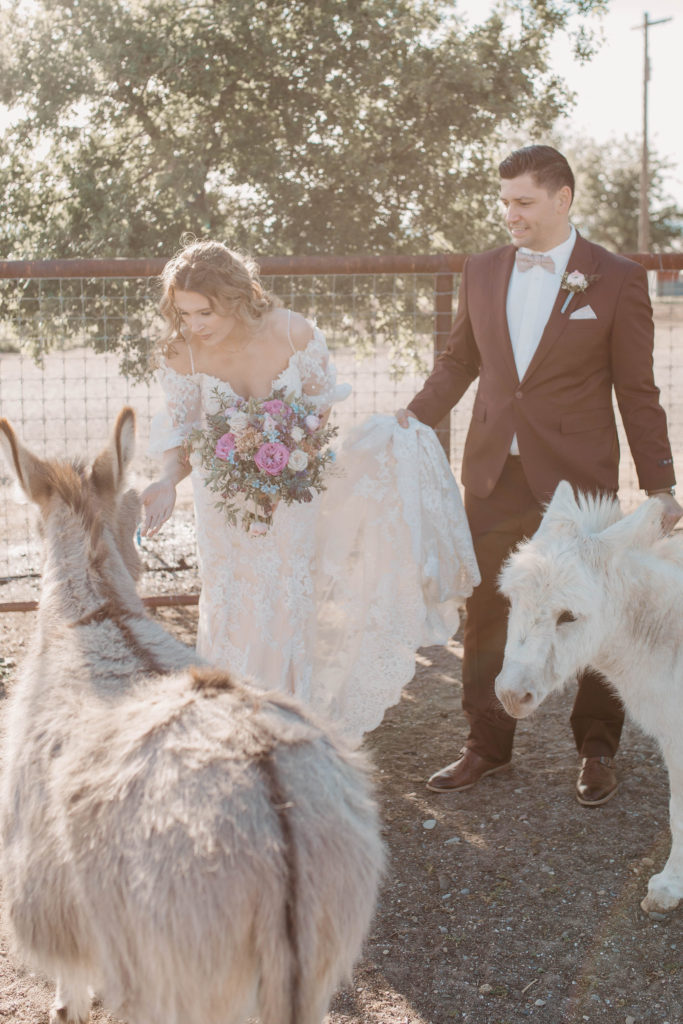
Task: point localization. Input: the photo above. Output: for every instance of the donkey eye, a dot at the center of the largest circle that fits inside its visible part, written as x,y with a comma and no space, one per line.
565,616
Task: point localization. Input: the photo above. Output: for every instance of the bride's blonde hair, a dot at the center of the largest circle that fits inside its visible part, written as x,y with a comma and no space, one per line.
227,278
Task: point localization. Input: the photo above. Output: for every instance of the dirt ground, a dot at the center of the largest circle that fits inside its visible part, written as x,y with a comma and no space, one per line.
504,904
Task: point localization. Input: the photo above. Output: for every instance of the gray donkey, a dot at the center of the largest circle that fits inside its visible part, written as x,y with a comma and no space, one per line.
192,850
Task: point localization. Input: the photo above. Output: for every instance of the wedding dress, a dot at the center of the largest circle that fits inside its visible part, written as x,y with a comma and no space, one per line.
333,601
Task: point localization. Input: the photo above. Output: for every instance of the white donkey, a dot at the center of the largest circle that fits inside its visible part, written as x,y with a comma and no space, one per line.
593,588
192,850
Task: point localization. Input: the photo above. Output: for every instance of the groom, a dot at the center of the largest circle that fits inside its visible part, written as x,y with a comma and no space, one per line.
550,325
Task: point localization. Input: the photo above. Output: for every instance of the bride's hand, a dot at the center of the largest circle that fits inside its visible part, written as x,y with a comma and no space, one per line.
158,501
403,416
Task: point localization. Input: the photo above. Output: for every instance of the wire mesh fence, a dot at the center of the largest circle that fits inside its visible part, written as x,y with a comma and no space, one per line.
74,350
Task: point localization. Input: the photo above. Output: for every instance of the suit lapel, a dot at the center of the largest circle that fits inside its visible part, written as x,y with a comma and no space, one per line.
498,300
582,259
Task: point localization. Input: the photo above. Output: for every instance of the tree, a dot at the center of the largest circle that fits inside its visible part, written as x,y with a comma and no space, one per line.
608,195
284,126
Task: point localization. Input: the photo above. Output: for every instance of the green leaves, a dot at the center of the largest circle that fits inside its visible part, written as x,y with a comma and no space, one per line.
608,195
278,126
284,127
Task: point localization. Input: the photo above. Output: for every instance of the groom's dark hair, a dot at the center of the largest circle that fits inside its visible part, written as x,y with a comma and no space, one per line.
548,167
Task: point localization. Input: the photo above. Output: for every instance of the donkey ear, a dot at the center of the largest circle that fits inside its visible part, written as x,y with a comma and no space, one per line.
124,439
109,468
561,511
30,471
640,529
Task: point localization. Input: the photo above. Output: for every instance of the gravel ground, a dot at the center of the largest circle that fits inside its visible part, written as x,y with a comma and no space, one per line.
504,904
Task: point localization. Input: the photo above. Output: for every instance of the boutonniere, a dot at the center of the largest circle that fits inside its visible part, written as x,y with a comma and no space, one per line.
574,283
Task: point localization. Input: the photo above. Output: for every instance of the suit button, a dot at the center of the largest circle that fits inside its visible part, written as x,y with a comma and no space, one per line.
518,394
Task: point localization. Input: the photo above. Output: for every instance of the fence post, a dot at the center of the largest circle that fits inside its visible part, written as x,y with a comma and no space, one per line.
443,319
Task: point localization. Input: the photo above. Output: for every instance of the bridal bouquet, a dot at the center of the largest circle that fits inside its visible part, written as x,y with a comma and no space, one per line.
256,453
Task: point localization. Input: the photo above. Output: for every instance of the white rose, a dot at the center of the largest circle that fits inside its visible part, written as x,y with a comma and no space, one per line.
298,460
576,279
297,433
258,529
195,460
238,421
312,422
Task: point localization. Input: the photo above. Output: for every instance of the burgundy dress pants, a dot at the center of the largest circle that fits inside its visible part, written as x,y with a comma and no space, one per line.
498,523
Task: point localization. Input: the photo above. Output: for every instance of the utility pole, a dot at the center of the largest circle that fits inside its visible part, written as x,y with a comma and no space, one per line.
644,212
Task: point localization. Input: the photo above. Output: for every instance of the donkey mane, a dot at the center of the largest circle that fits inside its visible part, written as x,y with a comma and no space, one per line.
590,513
68,478
211,681
71,481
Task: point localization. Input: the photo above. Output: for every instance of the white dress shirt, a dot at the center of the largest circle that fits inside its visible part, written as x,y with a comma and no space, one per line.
530,299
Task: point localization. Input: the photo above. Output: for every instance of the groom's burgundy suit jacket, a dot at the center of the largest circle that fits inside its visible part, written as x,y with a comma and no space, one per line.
561,410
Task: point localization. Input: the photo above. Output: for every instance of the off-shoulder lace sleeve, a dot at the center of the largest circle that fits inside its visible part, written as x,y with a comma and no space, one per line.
182,410
319,374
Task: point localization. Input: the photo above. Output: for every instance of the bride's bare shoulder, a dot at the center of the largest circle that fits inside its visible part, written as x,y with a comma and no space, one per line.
286,325
178,357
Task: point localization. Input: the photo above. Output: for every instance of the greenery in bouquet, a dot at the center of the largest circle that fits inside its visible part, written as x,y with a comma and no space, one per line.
258,452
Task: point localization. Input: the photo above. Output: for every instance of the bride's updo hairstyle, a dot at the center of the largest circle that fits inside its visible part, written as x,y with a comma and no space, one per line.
228,279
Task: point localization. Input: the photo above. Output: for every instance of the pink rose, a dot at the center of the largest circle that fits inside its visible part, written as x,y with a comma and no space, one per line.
312,422
274,406
272,457
224,445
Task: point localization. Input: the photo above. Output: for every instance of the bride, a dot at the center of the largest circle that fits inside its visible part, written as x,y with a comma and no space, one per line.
333,601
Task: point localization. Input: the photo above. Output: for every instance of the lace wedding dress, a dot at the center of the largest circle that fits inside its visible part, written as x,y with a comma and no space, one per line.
333,602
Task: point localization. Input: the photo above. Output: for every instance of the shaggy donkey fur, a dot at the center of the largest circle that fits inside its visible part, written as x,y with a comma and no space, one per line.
193,850
593,588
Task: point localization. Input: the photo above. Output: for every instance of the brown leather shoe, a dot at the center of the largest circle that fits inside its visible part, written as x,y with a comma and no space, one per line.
597,782
464,773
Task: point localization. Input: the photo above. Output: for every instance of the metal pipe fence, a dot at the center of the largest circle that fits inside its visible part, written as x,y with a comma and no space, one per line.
75,340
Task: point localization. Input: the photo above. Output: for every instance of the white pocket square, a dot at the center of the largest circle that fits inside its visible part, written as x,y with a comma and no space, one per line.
585,313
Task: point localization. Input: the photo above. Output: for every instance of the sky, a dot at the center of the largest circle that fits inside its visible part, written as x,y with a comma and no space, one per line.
610,87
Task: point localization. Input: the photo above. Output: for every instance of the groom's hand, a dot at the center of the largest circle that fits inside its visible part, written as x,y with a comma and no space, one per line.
671,510
403,415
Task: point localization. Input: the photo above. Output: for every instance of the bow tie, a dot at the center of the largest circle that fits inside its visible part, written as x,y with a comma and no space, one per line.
526,260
